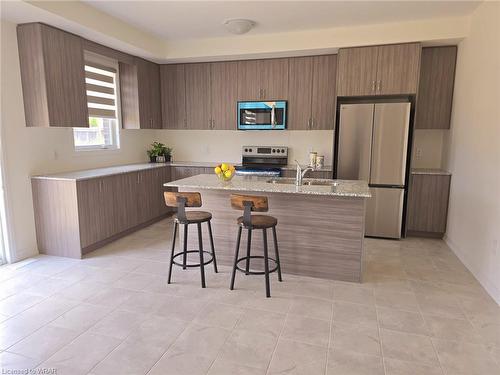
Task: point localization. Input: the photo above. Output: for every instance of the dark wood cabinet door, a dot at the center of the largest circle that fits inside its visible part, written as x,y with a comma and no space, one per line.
428,203
357,71
173,94
53,76
149,95
249,83
324,92
398,68
435,91
129,96
198,104
274,78
124,200
224,94
300,93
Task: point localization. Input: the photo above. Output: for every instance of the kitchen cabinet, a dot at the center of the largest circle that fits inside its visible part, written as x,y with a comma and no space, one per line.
379,70
73,217
311,97
180,172
428,204
173,94
140,95
224,94
198,103
52,76
265,79
435,92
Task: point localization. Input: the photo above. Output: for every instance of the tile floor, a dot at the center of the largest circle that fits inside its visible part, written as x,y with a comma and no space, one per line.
419,311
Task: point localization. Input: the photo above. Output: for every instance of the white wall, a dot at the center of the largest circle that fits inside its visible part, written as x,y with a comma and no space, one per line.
30,151
224,145
474,150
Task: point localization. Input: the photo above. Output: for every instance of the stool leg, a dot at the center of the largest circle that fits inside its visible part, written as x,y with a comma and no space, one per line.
172,254
202,266
212,245
184,257
249,242
236,253
277,254
266,264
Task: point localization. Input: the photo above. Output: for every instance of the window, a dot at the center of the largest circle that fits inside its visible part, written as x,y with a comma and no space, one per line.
103,104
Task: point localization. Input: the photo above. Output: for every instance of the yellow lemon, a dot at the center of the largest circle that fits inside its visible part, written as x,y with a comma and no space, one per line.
232,168
217,170
224,167
228,173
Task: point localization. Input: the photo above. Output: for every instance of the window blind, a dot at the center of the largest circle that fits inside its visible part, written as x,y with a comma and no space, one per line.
100,83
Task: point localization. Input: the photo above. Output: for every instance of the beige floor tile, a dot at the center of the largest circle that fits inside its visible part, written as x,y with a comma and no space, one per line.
130,358
249,349
81,291
81,317
355,338
316,308
219,315
234,297
46,311
404,321
464,358
447,307
111,297
354,313
144,302
452,329
181,308
158,331
82,354
278,303
49,286
16,303
134,281
350,363
200,340
44,342
262,322
408,347
306,330
393,284
155,268
222,367
297,358
181,363
490,333
15,363
118,324
397,300
308,288
354,294
395,367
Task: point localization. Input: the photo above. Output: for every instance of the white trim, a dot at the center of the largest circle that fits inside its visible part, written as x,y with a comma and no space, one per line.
487,284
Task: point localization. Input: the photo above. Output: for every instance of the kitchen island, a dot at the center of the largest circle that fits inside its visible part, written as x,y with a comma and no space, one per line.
320,223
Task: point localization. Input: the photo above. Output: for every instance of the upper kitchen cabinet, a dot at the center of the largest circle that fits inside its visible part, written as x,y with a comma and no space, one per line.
435,92
173,96
52,75
311,95
198,103
263,79
224,94
380,70
140,95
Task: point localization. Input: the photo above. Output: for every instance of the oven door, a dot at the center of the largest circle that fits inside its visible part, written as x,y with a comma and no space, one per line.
262,115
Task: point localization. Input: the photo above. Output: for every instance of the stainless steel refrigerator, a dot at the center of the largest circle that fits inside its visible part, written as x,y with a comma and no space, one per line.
372,145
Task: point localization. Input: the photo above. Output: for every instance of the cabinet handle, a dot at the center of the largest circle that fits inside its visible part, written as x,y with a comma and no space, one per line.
309,123
374,85
264,94
260,93
379,86
312,123
151,122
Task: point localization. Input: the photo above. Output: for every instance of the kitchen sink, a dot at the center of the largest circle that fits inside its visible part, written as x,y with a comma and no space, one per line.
306,182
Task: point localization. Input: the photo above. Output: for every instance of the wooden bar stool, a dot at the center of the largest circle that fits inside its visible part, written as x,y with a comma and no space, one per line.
250,203
181,201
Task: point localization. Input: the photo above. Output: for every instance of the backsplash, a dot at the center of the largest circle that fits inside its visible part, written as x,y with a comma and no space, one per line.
428,147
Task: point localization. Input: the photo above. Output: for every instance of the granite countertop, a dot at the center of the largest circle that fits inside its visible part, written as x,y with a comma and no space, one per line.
435,171
343,188
101,172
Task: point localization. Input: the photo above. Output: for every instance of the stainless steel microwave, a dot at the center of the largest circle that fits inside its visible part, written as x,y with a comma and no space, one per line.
262,115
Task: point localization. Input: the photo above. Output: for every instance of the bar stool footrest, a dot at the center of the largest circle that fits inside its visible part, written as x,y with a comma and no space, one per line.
256,272
210,260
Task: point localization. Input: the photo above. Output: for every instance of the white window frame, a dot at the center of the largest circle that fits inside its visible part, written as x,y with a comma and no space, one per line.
115,131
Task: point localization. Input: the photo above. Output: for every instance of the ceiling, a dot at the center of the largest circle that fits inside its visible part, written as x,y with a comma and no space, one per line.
177,20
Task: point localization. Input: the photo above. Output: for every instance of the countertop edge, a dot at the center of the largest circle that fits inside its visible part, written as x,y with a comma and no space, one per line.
430,171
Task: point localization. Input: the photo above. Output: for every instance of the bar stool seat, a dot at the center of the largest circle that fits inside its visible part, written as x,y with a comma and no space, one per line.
259,221
193,217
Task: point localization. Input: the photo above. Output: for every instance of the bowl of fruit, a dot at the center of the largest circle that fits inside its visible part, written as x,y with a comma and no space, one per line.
225,171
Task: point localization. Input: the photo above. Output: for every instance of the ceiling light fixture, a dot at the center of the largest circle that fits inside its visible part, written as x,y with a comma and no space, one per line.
239,26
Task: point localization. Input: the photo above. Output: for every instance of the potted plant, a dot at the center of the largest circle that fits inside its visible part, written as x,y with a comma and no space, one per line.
159,153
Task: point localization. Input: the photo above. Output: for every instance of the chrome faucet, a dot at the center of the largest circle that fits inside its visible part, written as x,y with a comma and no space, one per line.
301,173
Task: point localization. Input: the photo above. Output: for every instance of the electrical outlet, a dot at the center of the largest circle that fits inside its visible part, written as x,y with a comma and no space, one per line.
418,153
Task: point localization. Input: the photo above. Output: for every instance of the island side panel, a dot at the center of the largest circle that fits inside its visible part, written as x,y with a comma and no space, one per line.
318,236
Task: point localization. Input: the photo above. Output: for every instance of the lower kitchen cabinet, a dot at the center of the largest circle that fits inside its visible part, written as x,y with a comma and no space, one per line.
73,217
179,172
428,204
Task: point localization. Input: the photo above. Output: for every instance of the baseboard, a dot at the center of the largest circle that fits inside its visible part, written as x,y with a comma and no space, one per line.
487,284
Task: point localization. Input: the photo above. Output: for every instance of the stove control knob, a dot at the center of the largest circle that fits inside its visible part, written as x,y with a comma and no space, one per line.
246,150
274,150
283,150
250,149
